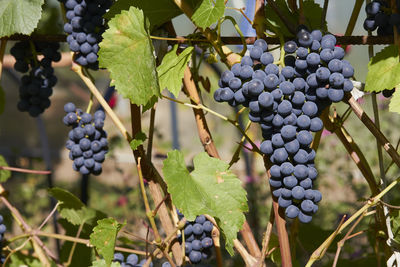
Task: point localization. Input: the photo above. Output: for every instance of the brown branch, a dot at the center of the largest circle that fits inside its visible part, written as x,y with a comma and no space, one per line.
374,130
334,124
66,61
266,239
155,183
340,244
15,169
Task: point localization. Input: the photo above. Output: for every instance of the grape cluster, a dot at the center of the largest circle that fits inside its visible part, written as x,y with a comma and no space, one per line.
84,28
287,103
131,261
2,231
198,241
87,141
36,86
377,18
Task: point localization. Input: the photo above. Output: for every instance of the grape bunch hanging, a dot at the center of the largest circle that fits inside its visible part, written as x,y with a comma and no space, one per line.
36,86
197,236
84,27
287,103
87,141
379,17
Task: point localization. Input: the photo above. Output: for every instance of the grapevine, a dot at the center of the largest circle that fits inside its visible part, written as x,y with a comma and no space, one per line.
237,185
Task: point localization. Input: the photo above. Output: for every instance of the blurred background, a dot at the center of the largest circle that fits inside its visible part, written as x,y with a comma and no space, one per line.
38,143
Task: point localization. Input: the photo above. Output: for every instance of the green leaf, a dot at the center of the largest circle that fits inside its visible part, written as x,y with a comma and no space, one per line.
19,16
71,208
276,254
2,100
210,189
274,19
127,52
4,174
104,236
157,11
383,70
394,105
395,220
313,14
18,259
140,137
102,263
172,68
207,13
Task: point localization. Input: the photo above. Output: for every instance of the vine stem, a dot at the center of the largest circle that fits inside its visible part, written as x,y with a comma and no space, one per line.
155,182
180,226
380,137
151,132
71,239
93,89
149,213
340,244
15,169
39,247
335,124
324,11
317,254
266,239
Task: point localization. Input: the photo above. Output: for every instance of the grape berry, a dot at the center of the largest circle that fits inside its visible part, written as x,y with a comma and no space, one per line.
87,141
37,86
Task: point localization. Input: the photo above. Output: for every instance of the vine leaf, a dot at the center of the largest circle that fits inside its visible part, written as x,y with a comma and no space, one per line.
383,70
18,259
72,209
275,20
2,100
104,236
207,13
172,69
4,174
312,14
140,137
19,16
394,105
210,189
127,52
102,263
157,11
